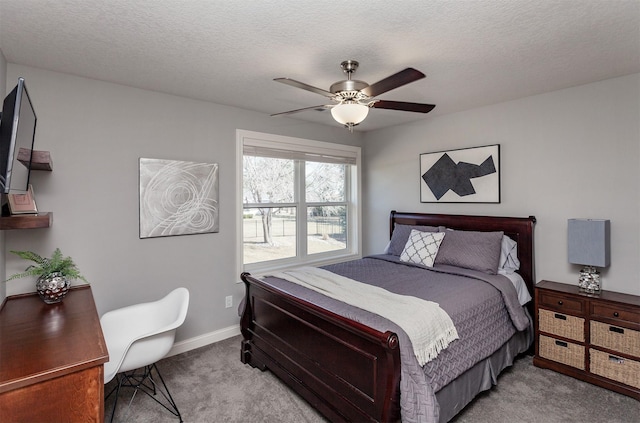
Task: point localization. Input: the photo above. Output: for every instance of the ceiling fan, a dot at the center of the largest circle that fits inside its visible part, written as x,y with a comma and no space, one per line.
354,98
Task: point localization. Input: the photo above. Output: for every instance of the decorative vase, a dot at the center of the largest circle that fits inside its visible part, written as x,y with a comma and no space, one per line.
53,287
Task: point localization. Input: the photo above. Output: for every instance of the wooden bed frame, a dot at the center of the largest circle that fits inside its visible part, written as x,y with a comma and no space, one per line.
346,370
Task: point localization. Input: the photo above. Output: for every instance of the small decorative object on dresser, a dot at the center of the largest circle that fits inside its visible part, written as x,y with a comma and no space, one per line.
54,274
589,245
592,338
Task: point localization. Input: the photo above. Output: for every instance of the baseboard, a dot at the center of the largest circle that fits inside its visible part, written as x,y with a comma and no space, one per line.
203,340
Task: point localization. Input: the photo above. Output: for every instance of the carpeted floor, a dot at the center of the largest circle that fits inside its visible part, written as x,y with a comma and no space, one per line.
210,384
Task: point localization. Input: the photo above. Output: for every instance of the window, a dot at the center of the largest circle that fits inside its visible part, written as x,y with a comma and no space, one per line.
299,201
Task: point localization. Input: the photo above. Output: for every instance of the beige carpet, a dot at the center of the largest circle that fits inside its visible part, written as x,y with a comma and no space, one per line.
210,384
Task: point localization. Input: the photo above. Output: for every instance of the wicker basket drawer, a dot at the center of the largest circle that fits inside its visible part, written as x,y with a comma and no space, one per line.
615,368
615,338
562,352
560,324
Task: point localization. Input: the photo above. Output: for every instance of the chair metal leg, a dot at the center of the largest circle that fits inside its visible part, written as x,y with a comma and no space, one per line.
115,389
142,380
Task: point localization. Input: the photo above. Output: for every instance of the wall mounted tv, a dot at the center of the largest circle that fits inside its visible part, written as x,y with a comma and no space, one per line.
17,134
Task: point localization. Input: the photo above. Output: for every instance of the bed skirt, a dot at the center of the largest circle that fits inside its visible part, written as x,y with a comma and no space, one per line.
453,397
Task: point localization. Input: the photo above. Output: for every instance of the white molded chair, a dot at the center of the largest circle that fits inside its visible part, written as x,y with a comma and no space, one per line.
137,337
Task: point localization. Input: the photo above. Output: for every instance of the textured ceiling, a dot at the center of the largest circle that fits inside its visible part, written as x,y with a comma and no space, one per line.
474,53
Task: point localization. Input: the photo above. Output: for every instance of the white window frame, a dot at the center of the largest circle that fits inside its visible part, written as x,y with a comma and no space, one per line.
354,213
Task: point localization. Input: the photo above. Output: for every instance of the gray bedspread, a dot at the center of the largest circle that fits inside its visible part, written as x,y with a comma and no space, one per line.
484,309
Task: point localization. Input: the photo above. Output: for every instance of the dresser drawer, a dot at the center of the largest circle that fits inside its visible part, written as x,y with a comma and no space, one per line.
615,338
561,303
615,368
611,311
563,352
561,324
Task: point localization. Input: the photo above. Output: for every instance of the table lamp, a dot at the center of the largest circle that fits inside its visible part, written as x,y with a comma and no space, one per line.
588,245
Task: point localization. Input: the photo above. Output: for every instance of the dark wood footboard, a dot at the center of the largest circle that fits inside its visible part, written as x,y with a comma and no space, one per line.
346,370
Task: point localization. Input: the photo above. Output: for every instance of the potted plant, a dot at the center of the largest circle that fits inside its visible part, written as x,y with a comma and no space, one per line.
54,274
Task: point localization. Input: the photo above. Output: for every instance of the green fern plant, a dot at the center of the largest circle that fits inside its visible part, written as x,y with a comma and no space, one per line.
45,266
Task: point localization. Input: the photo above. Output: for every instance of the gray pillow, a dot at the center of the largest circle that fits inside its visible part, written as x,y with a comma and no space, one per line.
471,250
401,235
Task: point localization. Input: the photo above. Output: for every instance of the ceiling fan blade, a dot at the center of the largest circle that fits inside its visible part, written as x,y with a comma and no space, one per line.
394,81
404,106
318,108
304,86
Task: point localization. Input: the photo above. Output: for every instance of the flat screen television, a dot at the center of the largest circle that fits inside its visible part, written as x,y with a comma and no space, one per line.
17,134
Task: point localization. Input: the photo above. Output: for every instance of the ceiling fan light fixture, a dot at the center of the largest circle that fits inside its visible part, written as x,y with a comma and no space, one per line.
352,98
349,114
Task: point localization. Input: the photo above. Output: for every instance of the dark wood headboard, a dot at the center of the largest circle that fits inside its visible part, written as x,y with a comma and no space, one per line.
520,229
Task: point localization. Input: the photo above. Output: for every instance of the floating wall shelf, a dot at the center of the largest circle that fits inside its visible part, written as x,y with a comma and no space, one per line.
40,160
26,221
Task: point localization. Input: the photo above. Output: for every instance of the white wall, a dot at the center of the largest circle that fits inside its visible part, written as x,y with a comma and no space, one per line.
96,132
573,153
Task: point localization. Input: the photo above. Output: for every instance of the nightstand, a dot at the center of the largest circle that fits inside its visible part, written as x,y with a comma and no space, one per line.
595,338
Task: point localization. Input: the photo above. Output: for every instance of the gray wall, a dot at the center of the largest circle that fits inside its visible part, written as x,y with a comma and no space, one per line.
96,132
3,77
569,153
573,153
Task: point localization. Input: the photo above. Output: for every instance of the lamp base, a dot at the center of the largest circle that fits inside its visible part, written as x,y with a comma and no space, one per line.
589,280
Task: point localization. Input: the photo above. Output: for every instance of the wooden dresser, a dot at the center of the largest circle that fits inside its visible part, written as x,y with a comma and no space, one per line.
51,359
595,338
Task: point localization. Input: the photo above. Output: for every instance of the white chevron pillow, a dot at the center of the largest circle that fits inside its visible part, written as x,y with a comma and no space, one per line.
422,247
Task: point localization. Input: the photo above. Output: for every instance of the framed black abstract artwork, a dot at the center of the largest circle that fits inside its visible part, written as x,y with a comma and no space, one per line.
467,175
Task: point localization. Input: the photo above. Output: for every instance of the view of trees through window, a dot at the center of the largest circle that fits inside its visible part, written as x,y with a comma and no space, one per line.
287,200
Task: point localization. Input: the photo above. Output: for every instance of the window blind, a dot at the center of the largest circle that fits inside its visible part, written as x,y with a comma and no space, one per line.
283,150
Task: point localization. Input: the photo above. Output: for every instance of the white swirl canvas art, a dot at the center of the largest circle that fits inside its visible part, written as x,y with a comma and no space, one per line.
178,198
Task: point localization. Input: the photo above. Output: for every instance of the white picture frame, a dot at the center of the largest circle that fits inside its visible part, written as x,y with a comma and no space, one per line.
466,175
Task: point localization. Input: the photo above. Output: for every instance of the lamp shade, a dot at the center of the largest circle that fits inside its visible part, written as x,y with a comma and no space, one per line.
350,113
589,242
